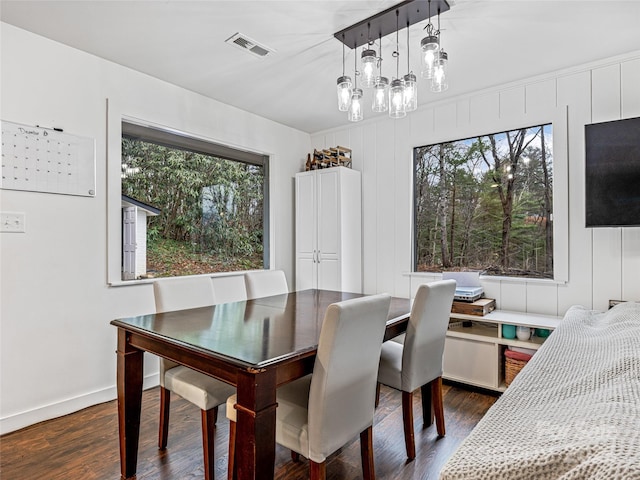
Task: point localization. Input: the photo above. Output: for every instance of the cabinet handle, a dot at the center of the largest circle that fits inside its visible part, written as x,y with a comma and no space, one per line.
318,255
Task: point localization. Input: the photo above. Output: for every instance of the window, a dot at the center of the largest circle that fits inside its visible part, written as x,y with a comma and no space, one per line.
189,206
486,203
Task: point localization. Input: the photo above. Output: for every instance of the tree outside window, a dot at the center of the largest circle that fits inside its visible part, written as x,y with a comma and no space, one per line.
211,208
486,203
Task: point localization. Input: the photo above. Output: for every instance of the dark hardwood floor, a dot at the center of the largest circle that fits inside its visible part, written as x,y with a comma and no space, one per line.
84,445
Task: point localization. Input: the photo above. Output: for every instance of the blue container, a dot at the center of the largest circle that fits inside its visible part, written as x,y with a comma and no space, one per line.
508,331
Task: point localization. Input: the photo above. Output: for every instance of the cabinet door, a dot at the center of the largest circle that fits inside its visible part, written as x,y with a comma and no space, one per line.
329,274
306,273
306,220
328,213
470,361
305,215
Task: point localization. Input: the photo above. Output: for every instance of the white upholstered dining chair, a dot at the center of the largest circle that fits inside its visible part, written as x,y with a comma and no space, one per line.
417,362
265,283
321,412
202,390
229,288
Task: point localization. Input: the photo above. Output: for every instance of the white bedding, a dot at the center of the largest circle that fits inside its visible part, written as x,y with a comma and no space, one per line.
573,412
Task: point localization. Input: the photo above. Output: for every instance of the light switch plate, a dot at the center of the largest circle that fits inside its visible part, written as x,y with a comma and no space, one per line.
12,222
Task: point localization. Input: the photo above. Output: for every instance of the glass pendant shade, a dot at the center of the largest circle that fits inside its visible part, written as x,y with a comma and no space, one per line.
430,47
354,113
381,95
369,68
410,92
344,93
396,99
439,80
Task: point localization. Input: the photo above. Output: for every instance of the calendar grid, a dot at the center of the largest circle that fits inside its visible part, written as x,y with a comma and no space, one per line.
45,160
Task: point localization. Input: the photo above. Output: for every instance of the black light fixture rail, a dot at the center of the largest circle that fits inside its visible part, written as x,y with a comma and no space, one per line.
383,23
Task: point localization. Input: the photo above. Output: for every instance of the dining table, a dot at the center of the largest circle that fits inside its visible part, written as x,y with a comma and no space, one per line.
255,345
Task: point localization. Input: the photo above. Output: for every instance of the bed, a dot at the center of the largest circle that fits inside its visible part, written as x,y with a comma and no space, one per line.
573,412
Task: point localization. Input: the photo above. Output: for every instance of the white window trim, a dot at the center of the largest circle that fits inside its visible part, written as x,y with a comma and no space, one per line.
559,121
115,116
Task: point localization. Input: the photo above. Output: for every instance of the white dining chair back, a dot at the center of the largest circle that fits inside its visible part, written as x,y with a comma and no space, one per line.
320,413
180,293
205,392
426,333
265,283
341,396
316,416
415,361
229,288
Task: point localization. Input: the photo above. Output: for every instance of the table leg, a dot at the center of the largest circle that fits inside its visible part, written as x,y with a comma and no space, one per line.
256,425
130,371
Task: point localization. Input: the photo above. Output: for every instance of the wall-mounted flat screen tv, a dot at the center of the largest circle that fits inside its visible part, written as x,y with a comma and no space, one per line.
613,173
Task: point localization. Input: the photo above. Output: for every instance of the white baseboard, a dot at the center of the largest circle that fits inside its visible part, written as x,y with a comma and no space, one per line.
65,407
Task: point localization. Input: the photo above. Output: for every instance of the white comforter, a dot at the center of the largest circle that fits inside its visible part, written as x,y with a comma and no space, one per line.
573,412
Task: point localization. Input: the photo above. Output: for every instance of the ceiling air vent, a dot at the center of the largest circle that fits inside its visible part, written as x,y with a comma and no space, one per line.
249,45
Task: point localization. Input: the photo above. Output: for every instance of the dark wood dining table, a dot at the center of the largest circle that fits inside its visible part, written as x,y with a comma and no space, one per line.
255,345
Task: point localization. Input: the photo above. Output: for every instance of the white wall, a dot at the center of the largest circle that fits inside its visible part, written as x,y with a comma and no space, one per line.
56,344
57,347
602,264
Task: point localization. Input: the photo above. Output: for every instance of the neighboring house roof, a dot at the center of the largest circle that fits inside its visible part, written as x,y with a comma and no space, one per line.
129,201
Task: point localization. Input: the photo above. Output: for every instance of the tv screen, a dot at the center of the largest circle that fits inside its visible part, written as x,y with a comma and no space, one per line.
613,173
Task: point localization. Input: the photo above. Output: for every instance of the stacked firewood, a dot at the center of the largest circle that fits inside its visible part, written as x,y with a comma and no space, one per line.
329,157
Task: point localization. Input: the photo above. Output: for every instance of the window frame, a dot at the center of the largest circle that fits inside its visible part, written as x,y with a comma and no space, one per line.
558,120
147,131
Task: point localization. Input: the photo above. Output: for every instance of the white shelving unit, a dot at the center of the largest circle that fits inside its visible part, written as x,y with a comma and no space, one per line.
475,354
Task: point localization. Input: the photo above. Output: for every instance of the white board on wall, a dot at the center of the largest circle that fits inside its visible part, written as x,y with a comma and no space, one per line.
40,159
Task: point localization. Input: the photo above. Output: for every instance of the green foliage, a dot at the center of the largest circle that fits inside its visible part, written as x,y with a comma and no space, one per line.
497,193
212,205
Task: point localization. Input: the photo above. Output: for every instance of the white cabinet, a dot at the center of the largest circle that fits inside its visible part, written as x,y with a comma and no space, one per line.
474,354
329,230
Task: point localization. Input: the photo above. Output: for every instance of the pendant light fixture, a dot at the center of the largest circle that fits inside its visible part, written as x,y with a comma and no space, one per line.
396,99
344,87
430,46
369,64
396,95
410,85
439,80
399,96
355,113
369,67
355,108
381,89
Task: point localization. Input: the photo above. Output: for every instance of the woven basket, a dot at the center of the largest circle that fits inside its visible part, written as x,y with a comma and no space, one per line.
511,368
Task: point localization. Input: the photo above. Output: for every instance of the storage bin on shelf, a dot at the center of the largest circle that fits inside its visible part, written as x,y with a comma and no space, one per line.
514,362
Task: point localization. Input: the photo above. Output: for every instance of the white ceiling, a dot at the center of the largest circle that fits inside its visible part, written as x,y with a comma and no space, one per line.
490,42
